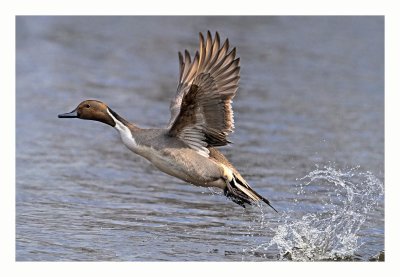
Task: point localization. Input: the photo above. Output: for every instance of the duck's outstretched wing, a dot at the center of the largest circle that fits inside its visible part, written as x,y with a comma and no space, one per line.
201,112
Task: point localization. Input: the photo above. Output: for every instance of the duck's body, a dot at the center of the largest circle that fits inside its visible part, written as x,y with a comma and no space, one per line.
172,156
201,119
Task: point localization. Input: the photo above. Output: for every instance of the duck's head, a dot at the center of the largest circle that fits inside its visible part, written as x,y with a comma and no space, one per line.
91,110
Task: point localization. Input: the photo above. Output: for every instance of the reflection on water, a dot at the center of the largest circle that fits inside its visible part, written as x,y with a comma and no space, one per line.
311,92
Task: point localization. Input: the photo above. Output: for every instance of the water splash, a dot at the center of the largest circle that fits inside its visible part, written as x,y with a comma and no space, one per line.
341,203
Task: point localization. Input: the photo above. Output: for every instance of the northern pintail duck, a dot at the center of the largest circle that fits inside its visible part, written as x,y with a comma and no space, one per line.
201,119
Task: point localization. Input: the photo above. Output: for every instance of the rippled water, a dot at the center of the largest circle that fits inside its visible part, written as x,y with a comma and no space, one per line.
310,103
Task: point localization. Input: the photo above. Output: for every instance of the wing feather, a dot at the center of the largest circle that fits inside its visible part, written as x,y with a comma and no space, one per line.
201,111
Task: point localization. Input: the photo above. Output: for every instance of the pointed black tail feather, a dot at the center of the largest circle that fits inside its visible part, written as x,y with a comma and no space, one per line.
266,201
242,194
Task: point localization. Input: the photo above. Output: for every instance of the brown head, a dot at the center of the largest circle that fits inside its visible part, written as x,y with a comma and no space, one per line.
91,110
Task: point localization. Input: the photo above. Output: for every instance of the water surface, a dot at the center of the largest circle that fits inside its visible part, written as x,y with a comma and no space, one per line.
309,136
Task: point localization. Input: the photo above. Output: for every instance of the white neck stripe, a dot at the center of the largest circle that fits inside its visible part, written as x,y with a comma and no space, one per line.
118,124
126,134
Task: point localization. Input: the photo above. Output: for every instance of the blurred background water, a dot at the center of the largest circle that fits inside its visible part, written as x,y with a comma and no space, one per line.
309,136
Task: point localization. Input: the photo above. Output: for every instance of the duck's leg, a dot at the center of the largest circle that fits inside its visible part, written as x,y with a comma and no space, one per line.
239,191
233,190
228,192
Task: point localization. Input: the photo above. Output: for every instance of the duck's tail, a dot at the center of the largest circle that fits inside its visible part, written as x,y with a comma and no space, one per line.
242,193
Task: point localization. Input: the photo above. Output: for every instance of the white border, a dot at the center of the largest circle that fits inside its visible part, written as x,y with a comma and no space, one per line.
72,7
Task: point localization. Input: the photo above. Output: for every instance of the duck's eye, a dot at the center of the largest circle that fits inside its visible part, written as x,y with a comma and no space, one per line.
87,106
